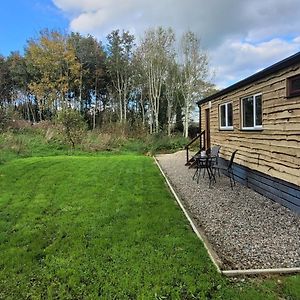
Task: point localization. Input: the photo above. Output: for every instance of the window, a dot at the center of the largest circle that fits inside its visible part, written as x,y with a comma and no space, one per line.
252,112
225,116
293,86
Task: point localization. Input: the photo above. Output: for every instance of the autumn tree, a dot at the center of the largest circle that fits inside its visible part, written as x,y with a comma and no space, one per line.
5,83
148,84
53,66
93,78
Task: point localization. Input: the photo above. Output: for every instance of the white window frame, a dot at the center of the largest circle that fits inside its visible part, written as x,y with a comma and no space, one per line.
255,127
226,127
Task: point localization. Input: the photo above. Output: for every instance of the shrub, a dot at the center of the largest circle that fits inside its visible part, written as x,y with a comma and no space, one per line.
3,120
162,143
125,130
11,120
72,126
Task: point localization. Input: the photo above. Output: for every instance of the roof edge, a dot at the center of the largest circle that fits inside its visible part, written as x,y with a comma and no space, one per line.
295,58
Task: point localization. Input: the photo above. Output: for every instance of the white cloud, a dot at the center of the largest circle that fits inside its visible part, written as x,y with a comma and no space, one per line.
242,36
235,60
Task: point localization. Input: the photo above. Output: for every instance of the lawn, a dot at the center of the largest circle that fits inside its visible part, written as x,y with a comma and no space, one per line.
106,227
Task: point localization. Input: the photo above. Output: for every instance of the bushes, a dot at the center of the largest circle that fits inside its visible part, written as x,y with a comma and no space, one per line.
72,126
161,143
4,119
148,144
10,120
95,141
46,138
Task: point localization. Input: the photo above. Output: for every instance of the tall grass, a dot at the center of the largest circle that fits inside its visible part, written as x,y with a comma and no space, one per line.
45,140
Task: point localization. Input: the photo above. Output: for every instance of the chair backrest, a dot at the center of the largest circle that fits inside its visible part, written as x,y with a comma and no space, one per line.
231,159
215,151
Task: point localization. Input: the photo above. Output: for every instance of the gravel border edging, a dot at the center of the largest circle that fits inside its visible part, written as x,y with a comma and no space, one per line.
212,254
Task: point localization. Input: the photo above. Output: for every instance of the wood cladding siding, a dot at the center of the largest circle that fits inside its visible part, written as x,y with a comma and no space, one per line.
273,151
278,190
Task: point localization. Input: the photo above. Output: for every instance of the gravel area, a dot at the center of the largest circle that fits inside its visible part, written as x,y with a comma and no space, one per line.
245,229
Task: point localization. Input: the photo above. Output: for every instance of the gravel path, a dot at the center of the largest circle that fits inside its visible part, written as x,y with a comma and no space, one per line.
246,230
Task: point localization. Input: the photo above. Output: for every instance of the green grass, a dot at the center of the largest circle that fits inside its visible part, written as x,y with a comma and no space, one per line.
83,227
76,227
35,142
28,144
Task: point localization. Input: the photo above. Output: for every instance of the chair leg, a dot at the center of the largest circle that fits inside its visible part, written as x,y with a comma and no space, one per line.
231,178
215,171
216,167
197,169
198,174
211,176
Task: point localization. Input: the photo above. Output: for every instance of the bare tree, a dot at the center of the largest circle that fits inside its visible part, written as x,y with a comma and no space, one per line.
172,89
194,73
155,52
119,67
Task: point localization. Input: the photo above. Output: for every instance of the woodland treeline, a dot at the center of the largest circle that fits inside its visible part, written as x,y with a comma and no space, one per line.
154,83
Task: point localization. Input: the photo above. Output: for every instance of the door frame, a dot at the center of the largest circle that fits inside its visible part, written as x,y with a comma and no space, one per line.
207,128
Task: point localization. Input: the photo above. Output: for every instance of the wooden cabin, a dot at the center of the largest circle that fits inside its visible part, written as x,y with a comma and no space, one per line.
260,117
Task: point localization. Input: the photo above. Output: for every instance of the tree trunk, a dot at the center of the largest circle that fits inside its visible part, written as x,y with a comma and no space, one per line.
121,110
33,114
94,117
125,110
80,90
156,123
169,111
151,122
27,110
95,106
143,113
186,122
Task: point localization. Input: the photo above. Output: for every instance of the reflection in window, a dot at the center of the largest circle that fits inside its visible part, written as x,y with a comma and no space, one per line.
293,86
248,112
252,112
225,116
229,115
258,111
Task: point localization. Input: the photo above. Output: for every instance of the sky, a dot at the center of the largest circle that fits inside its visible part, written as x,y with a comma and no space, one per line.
241,37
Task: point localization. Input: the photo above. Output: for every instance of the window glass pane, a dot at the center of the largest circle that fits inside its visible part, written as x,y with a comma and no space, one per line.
248,112
229,114
258,108
222,112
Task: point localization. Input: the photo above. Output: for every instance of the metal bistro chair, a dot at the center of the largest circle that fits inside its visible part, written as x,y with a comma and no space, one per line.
227,169
206,163
214,154
200,164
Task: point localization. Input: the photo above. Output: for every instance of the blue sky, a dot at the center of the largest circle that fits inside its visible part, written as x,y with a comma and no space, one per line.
23,19
241,37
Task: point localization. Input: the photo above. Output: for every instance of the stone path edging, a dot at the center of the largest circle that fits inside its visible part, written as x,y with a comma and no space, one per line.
212,254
